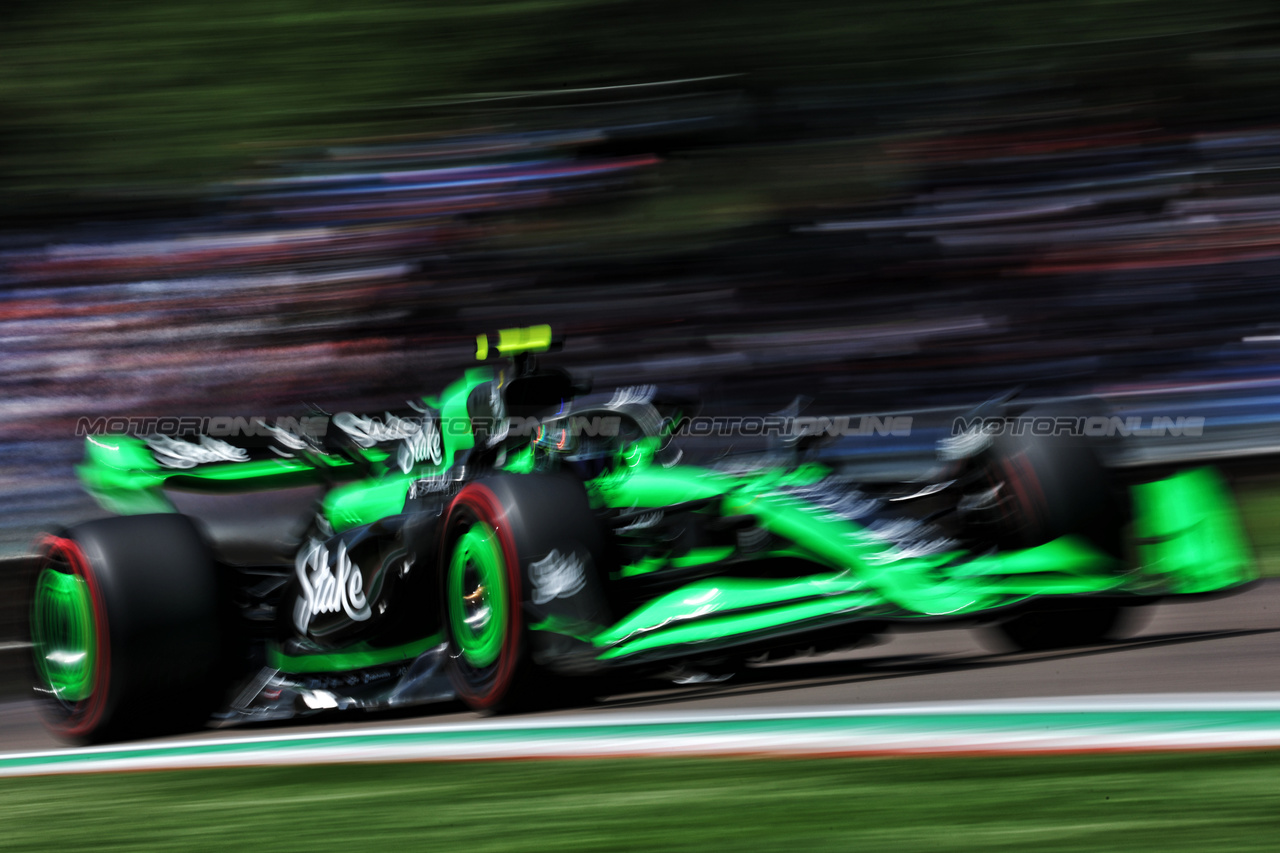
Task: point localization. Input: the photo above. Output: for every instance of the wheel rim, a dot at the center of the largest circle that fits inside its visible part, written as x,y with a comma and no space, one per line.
63,635
478,599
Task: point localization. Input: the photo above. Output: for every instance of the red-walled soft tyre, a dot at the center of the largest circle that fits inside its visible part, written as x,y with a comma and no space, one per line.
495,529
125,628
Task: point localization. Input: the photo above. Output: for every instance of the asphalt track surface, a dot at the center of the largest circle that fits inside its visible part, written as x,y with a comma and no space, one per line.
1186,646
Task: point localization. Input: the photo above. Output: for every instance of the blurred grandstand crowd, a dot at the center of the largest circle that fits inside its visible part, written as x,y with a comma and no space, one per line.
1069,252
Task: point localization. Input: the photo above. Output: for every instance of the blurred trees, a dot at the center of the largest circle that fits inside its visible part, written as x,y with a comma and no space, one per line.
140,98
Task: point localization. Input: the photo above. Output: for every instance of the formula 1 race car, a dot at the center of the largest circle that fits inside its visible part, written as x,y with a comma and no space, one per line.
516,540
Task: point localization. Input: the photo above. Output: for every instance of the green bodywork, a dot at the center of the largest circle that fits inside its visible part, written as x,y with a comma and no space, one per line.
1185,538
123,476
357,656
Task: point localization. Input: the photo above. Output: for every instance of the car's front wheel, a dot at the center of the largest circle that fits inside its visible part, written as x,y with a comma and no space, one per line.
1041,488
1043,627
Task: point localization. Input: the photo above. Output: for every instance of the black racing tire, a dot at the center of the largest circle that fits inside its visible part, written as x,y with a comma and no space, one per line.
127,629
1089,622
1053,486
495,529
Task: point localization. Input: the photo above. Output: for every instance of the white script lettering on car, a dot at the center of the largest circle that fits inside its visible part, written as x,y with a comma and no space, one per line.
176,453
328,588
643,522
423,445
556,576
367,432
421,440
632,395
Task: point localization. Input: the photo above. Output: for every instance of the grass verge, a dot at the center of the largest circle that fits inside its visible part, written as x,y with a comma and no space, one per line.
1259,511
1164,802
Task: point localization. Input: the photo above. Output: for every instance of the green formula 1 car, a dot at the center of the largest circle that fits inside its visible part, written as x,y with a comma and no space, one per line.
516,540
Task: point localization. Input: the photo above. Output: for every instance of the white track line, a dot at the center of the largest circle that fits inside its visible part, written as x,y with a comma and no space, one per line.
1150,722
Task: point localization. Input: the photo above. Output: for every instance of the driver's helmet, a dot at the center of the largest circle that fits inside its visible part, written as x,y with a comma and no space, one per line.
588,456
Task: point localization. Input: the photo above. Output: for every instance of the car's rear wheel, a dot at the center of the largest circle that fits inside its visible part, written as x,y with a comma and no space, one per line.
481,600
125,626
497,528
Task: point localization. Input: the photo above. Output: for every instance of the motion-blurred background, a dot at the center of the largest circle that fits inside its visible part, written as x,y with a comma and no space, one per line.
249,207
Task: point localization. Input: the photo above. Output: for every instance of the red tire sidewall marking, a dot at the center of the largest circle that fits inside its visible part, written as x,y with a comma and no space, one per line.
486,507
87,714
1021,477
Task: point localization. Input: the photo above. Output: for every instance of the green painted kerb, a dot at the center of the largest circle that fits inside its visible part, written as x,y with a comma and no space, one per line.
63,639
478,596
